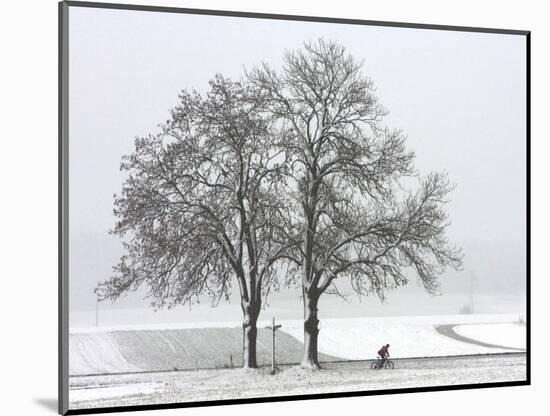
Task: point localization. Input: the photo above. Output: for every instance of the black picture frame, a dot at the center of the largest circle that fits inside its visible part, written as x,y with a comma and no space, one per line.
63,165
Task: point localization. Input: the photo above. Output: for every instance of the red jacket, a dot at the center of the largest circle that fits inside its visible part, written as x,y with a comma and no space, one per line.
384,351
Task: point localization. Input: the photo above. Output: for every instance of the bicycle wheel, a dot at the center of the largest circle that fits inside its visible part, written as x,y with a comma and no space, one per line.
374,365
389,364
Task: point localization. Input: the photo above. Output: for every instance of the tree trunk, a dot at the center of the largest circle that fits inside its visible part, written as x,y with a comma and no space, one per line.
250,333
311,331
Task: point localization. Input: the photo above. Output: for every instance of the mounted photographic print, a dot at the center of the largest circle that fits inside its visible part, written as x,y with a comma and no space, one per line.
263,207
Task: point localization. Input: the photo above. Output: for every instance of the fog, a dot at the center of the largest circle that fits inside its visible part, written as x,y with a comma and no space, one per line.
459,97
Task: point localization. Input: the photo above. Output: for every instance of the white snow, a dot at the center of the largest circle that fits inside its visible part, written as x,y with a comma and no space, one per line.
108,392
96,353
416,336
508,334
154,327
187,386
93,350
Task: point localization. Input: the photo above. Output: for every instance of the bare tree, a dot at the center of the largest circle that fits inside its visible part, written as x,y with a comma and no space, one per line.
201,206
357,217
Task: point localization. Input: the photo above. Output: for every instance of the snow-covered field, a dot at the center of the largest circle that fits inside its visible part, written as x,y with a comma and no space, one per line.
509,334
416,336
98,393
451,356
169,349
186,386
107,350
96,354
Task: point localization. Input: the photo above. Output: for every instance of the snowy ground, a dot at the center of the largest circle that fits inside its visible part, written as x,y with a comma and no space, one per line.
415,336
469,349
509,334
201,385
107,350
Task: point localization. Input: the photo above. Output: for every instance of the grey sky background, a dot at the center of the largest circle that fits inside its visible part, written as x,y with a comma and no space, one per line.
460,98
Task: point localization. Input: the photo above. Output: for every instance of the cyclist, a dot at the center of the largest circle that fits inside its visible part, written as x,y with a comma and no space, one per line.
384,353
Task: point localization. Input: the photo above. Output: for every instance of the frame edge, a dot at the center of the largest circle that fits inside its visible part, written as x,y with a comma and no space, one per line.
276,16
63,164
63,213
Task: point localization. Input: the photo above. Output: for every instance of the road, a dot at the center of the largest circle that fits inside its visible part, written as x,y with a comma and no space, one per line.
449,331
200,385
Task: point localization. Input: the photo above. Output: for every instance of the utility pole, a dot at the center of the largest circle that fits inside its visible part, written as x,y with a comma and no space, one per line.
473,287
273,328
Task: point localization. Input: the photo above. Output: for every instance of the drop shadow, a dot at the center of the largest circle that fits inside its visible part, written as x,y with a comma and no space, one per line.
49,404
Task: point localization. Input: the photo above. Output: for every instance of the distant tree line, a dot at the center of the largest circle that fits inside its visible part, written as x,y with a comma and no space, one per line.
278,178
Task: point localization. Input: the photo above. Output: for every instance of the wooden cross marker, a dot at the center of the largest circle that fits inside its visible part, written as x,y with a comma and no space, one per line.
273,328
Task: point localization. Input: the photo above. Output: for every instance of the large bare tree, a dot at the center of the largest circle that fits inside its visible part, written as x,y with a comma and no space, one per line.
362,212
201,205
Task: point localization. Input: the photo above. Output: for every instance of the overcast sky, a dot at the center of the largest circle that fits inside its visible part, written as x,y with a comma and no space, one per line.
460,98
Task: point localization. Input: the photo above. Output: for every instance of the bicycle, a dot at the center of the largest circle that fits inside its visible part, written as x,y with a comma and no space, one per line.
388,365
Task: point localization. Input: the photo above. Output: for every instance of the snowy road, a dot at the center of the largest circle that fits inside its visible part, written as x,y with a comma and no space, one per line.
451,332
201,385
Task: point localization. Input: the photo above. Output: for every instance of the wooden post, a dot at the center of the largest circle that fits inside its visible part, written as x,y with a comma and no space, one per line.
273,346
273,328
